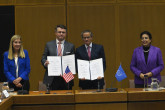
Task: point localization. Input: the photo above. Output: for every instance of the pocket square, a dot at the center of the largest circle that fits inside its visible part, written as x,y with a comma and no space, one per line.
67,52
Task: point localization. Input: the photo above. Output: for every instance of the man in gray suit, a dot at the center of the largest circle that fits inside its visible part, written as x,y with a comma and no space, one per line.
57,47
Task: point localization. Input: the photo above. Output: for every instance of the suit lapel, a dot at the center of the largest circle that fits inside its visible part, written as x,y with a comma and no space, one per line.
65,48
55,48
92,51
85,52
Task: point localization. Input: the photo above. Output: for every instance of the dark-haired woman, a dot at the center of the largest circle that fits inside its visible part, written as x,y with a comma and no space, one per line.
146,60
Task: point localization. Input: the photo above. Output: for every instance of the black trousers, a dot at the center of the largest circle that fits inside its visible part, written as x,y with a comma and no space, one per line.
60,84
25,85
94,84
139,85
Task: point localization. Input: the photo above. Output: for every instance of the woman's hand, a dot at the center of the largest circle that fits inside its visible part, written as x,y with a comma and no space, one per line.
141,75
19,85
149,74
17,81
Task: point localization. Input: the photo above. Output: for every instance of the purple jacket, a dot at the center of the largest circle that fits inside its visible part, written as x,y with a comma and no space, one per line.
154,63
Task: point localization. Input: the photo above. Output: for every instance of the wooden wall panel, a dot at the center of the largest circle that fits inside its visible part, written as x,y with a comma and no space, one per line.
141,1
91,1
36,26
26,2
6,2
116,25
100,19
133,20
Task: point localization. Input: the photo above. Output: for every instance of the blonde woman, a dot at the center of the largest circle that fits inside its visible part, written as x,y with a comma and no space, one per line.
17,65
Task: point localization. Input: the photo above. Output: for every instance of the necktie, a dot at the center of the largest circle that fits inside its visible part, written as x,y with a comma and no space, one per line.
59,49
89,52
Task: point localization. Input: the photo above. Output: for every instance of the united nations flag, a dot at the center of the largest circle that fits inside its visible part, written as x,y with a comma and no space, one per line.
120,74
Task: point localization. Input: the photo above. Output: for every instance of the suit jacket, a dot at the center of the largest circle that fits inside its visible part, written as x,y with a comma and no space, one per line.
154,63
97,51
51,50
23,67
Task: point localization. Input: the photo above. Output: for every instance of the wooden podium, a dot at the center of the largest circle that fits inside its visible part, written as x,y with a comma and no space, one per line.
6,104
127,99
145,100
92,100
63,100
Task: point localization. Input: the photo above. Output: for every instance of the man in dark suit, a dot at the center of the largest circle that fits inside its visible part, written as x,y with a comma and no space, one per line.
90,51
57,47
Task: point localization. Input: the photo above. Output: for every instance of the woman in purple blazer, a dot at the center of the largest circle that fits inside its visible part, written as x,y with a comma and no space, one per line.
146,60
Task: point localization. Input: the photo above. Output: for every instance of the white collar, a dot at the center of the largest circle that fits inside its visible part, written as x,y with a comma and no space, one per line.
62,42
90,45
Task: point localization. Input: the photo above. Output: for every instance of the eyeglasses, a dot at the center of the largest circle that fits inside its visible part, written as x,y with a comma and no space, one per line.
86,37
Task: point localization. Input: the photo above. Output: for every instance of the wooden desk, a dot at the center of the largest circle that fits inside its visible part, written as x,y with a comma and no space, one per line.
130,99
145,100
92,100
6,104
63,100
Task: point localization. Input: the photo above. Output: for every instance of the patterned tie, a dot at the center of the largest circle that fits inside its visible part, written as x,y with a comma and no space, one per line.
89,52
59,49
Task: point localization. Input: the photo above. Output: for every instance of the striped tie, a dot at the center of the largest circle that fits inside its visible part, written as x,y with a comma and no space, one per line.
59,49
89,52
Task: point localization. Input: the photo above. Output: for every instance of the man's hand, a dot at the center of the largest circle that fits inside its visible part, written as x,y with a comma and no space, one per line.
82,79
98,78
46,63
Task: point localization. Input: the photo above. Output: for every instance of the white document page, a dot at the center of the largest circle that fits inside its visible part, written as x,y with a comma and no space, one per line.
83,69
54,66
96,68
69,61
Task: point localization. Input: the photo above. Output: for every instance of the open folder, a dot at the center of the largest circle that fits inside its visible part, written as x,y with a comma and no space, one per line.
90,70
58,64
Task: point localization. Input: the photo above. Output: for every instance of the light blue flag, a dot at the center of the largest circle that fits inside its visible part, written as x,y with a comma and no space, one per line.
120,74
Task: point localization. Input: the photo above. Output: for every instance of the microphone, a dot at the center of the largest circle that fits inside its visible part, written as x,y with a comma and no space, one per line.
145,82
111,89
47,89
22,91
98,82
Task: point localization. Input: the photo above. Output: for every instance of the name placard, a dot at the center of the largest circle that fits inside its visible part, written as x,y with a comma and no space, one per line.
5,94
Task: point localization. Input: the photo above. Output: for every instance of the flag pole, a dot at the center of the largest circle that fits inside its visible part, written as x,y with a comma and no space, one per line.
69,81
68,76
120,75
68,85
121,83
121,88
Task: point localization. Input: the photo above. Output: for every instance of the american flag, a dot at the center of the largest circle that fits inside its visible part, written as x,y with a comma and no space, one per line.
68,76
